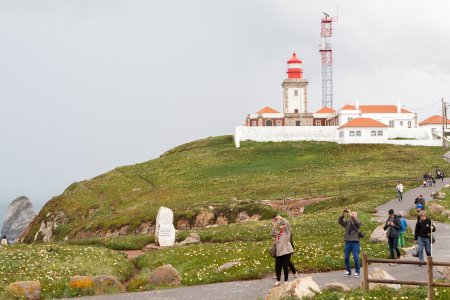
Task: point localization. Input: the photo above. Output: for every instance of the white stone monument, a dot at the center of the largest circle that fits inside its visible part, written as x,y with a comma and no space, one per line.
165,231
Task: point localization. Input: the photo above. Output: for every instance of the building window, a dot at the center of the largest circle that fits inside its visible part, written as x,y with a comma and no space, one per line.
297,123
409,124
269,123
279,123
296,111
358,133
349,119
401,123
318,123
352,133
373,133
295,92
380,132
341,134
253,123
391,123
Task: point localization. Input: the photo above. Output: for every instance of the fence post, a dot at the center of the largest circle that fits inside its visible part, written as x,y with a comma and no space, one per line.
430,277
365,272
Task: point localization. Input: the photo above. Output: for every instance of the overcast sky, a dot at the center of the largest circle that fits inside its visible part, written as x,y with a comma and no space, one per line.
86,86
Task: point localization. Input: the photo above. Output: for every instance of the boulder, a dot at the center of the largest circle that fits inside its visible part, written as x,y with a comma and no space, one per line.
81,282
145,228
242,217
203,218
46,232
106,283
445,271
222,220
227,266
435,208
193,238
183,224
378,273
337,287
255,217
440,195
378,235
151,247
25,289
165,275
19,216
301,287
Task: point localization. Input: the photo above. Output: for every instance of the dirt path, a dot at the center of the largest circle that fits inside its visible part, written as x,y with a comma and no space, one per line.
256,289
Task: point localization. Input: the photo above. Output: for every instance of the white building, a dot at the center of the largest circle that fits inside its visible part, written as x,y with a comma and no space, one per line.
363,130
393,116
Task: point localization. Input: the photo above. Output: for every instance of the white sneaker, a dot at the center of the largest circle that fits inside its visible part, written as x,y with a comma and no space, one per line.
277,283
347,273
357,275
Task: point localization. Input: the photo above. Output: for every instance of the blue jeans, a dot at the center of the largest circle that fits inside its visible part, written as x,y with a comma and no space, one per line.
393,244
421,242
354,247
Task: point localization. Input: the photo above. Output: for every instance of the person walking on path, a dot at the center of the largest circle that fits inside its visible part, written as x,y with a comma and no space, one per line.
420,200
392,227
284,249
422,234
401,234
349,220
399,190
4,241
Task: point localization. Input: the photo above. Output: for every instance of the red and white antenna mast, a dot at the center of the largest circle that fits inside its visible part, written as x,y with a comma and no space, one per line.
327,60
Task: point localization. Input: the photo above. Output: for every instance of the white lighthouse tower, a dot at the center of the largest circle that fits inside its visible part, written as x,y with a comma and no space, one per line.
295,88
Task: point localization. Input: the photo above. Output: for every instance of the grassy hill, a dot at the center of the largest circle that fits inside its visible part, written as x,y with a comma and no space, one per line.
213,172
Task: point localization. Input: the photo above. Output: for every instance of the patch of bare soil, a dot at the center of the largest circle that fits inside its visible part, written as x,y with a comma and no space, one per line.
293,207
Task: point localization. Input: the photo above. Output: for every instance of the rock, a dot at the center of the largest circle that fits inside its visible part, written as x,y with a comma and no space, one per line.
105,283
203,218
222,220
242,217
193,238
165,275
446,212
445,271
25,289
337,287
378,235
255,217
19,216
378,273
165,231
183,224
435,208
440,195
150,247
301,287
227,266
81,282
145,228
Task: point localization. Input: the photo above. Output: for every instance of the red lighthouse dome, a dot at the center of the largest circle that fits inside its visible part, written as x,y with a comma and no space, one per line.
294,67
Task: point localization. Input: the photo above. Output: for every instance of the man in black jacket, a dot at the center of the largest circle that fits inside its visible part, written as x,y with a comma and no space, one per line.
393,226
422,234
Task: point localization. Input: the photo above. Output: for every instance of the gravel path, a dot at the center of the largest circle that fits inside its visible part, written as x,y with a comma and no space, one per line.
257,289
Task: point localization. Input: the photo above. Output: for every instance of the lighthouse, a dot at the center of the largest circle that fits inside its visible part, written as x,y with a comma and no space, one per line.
295,92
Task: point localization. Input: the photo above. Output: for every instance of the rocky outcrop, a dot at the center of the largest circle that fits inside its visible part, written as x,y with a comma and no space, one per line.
300,288
204,218
19,216
227,266
102,284
165,275
25,290
193,238
46,232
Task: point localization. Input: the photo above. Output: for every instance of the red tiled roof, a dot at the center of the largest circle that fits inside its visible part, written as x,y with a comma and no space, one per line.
363,122
375,109
267,110
434,120
325,110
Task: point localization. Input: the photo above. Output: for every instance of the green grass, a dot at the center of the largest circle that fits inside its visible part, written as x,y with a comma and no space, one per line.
444,203
129,242
212,172
54,265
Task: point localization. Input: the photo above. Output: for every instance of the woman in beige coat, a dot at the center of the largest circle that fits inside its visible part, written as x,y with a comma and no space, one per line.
284,248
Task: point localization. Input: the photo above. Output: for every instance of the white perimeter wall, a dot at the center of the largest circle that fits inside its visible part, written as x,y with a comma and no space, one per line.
422,136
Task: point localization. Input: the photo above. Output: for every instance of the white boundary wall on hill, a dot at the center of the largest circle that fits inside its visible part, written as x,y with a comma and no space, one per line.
422,136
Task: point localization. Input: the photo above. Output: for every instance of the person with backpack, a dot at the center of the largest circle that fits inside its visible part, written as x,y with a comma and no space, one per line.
284,248
401,234
392,227
349,220
420,200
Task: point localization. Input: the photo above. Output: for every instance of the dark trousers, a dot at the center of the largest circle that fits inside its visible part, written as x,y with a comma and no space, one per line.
284,262
393,244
